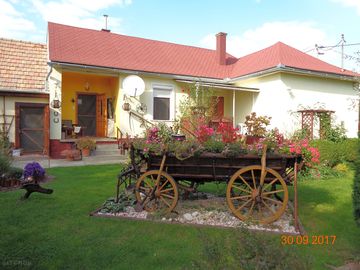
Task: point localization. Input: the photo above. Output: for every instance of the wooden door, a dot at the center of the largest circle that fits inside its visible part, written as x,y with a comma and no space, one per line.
86,113
32,127
219,107
101,115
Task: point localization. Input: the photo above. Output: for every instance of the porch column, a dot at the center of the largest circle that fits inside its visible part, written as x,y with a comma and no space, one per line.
233,107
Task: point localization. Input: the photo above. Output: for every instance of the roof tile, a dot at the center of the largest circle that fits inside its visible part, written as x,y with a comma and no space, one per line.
22,65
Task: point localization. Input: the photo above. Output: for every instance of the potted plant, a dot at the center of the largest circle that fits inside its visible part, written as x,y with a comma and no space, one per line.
86,144
33,172
256,127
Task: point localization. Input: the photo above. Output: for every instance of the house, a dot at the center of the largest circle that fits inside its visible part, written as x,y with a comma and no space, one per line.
24,108
88,68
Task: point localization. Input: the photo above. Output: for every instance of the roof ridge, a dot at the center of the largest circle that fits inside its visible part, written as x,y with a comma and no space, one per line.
141,38
23,41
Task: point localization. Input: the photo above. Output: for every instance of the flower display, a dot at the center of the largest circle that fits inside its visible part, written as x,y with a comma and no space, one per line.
228,133
34,170
204,133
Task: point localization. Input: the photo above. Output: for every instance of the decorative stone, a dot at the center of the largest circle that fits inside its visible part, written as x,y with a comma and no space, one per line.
188,217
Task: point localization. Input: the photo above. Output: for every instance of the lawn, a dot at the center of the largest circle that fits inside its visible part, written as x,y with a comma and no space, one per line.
56,232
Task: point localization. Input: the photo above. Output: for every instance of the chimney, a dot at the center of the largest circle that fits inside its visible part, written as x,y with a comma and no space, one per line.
221,48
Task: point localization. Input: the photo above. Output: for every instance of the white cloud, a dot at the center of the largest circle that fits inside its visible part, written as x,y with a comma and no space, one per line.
13,23
300,35
82,13
350,3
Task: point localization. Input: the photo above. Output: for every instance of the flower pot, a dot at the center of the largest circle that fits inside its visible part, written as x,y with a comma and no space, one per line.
85,152
126,106
178,137
252,139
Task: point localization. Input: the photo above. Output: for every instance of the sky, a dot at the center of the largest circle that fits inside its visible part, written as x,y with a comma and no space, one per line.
251,25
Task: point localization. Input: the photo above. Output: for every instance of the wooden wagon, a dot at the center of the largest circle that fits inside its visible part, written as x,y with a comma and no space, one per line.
256,185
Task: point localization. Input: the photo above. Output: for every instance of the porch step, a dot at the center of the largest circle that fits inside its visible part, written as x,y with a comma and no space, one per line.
106,150
105,159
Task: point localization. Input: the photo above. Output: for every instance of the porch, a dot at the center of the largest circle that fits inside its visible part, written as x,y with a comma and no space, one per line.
88,105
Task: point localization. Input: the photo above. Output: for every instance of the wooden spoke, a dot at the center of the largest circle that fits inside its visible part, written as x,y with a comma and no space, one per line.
242,206
167,196
246,183
268,207
248,203
273,192
273,200
240,197
251,209
163,185
158,198
166,190
168,204
268,185
253,178
239,188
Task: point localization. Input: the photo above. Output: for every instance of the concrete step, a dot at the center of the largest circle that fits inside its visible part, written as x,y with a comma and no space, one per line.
106,147
105,158
98,152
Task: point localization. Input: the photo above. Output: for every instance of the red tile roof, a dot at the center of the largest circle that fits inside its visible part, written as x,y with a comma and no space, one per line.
282,54
22,65
75,45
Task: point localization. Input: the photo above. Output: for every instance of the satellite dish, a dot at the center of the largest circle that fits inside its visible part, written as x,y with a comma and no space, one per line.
133,86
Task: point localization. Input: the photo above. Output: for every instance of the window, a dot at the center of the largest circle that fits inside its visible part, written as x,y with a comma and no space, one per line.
161,108
163,102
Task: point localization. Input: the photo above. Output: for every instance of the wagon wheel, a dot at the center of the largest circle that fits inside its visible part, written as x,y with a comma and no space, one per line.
248,200
163,196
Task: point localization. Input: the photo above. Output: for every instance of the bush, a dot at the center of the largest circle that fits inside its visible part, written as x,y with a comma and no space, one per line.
333,153
4,164
214,146
356,191
15,173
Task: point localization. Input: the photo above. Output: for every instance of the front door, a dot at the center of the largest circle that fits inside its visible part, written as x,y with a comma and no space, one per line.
32,127
86,113
101,115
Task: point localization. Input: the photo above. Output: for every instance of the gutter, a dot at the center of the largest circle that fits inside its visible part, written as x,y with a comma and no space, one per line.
146,73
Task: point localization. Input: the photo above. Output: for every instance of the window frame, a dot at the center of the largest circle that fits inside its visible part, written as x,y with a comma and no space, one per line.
164,91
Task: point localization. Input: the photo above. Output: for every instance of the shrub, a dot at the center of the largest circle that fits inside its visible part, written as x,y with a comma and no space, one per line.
4,164
356,191
15,173
214,146
333,153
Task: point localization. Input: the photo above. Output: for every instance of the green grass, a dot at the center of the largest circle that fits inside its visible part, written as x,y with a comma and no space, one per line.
56,232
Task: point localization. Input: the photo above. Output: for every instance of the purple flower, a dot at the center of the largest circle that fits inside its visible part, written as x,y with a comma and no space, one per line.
33,169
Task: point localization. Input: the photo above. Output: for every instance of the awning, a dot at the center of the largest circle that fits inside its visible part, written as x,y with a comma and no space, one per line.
223,86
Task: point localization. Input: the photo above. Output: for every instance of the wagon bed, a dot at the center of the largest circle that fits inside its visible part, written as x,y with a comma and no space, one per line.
256,185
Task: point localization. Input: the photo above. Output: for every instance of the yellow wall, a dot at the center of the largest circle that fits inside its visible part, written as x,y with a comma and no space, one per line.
73,83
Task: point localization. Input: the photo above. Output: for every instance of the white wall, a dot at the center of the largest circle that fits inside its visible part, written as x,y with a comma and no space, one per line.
132,125
282,95
54,86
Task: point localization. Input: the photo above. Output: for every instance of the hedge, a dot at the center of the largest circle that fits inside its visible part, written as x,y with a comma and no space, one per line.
333,153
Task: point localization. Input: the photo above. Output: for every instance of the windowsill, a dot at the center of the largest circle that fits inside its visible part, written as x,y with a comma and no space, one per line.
160,121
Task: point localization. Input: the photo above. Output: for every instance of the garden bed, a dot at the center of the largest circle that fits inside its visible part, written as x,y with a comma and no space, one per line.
212,211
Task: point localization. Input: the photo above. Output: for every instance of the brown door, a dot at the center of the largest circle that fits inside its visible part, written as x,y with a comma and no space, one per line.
32,127
86,113
101,116
219,107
